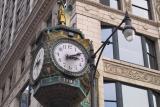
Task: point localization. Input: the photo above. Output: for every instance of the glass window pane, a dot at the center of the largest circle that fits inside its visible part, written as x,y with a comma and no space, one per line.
111,3
148,59
150,47
134,97
114,4
151,54
154,101
152,62
24,97
104,2
130,51
141,3
140,12
108,51
109,91
110,104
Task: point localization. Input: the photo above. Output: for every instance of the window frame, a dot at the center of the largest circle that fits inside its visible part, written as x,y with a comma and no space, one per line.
149,10
107,3
116,51
119,93
145,53
29,94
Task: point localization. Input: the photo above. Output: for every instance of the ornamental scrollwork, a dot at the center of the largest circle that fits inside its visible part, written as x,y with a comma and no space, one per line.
135,74
158,8
128,5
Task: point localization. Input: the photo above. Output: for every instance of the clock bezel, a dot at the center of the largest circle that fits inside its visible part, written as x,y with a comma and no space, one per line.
33,81
61,69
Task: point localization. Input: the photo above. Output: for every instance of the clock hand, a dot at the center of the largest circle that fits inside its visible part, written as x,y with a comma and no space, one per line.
71,57
77,54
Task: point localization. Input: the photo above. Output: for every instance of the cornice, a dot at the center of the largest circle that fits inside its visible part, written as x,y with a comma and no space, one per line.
25,35
103,7
133,72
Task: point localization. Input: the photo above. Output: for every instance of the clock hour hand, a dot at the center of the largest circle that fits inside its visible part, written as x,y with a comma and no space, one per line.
71,57
77,54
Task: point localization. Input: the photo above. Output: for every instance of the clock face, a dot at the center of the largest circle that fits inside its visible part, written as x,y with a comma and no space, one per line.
38,63
69,56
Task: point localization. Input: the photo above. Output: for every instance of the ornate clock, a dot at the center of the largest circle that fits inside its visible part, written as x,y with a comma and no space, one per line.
37,64
69,56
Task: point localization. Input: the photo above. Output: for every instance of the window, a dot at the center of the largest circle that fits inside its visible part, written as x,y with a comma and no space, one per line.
23,64
140,51
27,7
110,99
117,94
105,32
156,99
141,8
151,54
130,51
112,3
24,97
134,97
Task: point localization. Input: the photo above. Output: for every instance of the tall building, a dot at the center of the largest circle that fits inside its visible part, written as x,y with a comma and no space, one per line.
128,74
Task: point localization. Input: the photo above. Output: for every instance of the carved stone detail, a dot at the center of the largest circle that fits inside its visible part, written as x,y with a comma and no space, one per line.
128,5
132,73
158,8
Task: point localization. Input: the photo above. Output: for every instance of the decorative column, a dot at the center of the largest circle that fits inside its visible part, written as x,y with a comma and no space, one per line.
158,8
18,69
158,51
6,91
128,5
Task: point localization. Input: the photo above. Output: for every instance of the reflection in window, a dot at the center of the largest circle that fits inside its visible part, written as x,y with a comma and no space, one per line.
110,99
134,97
117,94
151,54
140,51
25,97
141,8
112,3
156,99
105,33
130,51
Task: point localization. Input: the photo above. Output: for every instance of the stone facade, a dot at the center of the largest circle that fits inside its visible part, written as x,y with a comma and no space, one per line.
26,19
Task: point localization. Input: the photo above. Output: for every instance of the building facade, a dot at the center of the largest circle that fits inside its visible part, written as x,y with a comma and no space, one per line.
128,73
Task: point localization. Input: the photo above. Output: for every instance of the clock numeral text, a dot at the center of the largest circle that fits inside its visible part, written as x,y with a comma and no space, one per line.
60,49
70,67
64,46
69,46
82,59
59,59
80,64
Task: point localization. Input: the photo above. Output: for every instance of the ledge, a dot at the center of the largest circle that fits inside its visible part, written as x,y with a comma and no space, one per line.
120,12
142,75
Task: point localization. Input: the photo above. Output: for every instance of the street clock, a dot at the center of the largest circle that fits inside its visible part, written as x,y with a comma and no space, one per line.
69,56
37,64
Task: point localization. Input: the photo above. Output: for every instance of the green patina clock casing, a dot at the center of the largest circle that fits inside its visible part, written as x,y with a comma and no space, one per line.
55,83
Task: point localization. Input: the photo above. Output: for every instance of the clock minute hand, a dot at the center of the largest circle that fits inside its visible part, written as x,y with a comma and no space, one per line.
77,54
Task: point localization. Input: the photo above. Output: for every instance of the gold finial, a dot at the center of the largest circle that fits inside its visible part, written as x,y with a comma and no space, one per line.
61,13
